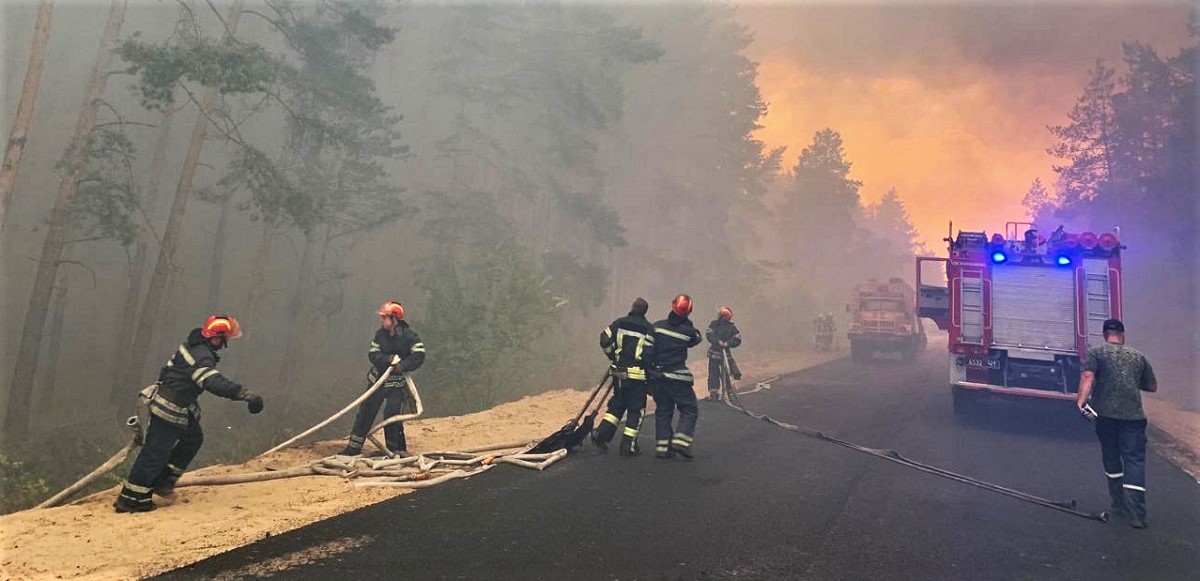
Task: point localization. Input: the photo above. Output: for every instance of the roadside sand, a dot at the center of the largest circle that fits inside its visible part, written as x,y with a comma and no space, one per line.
87,540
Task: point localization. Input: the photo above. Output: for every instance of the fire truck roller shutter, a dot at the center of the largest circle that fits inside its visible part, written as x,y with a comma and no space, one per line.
1033,307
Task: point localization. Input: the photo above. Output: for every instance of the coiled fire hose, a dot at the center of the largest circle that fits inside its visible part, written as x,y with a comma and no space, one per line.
1067,506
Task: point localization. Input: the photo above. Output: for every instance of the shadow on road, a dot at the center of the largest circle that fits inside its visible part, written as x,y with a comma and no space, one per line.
1045,419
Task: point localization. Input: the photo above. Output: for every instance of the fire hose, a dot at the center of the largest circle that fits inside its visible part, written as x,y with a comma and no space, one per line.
1067,506
412,390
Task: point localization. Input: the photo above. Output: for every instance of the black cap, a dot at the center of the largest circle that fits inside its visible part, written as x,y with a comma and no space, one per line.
1114,325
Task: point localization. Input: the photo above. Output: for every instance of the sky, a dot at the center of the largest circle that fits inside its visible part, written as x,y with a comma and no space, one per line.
948,102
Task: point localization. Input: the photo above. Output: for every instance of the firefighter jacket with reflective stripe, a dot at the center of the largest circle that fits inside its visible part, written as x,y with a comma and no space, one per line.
629,344
722,330
406,343
192,369
673,336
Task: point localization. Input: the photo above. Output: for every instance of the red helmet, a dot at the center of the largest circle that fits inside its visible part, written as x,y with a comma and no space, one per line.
682,305
221,326
725,313
394,309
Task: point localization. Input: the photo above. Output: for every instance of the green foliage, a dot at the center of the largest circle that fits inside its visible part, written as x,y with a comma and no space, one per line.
486,315
106,201
340,134
19,488
231,66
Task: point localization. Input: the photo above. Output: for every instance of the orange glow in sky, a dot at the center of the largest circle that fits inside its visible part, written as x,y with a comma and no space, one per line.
948,104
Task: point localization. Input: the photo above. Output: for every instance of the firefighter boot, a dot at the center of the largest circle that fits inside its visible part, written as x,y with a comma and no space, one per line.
603,434
1135,500
682,444
629,447
1117,494
134,498
662,449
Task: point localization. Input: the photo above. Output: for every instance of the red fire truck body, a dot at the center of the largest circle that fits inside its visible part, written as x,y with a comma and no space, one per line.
1021,311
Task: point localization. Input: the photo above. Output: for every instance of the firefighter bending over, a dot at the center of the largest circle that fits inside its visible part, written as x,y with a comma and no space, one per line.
395,344
673,383
629,344
174,436
722,335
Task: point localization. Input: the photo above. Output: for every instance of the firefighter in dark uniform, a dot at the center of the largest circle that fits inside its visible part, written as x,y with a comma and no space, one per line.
722,334
673,384
1114,377
394,344
629,344
174,436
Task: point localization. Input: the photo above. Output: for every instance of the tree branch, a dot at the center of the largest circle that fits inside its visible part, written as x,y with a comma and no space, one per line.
83,266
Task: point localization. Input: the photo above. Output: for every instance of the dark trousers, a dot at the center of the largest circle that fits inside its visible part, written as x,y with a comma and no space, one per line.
1123,450
628,399
669,395
166,453
715,376
395,399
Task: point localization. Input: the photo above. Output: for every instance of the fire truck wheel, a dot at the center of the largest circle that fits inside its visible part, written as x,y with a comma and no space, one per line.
859,353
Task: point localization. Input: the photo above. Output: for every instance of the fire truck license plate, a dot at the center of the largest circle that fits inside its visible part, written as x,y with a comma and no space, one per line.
981,362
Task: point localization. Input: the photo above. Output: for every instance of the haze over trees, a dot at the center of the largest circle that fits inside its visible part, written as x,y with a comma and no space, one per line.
515,174
1128,159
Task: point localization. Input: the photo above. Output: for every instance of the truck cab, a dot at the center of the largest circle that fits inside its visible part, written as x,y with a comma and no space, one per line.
884,320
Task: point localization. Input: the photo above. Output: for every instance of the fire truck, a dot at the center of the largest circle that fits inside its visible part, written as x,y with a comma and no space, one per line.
884,320
1021,309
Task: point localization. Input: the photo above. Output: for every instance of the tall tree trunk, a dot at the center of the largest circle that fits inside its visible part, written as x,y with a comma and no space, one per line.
123,377
254,294
218,263
298,317
29,90
17,418
46,400
152,306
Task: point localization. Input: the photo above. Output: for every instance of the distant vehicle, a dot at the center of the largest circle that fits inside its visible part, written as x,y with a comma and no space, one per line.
884,320
1022,310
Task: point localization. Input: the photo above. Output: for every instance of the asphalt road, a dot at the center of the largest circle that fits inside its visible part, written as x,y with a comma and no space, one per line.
762,503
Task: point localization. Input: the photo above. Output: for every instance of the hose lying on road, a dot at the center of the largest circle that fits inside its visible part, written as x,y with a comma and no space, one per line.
894,456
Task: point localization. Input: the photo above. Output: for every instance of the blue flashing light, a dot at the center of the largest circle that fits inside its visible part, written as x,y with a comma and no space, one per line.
1064,260
999,257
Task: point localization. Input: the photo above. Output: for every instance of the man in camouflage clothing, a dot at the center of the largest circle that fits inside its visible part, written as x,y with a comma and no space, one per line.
1114,377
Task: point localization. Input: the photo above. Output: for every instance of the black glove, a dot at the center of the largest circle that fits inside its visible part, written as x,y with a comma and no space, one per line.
654,374
254,402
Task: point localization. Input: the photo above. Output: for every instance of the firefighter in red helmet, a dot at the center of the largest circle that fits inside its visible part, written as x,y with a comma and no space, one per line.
722,335
672,383
174,436
395,344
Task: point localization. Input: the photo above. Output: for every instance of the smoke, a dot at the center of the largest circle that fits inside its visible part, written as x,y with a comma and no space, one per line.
948,102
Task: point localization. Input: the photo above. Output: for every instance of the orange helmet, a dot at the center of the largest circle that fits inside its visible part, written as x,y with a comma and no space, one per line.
221,326
725,313
682,305
394,309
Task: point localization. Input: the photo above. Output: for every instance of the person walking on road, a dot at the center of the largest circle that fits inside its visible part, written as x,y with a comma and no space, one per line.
1114,376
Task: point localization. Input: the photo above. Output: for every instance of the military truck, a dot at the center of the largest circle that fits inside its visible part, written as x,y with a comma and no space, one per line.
884,320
